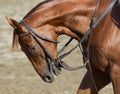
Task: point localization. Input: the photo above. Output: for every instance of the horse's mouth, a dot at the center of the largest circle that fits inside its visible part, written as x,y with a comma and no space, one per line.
56,70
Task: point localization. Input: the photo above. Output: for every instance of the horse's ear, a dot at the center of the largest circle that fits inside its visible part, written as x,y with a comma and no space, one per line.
16,24
13,23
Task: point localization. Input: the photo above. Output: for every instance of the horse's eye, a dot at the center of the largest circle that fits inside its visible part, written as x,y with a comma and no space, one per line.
32,49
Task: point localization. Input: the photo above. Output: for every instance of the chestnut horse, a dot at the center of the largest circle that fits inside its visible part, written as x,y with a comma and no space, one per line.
53,18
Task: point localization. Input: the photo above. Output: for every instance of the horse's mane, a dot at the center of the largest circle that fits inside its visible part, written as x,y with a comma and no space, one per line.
15,40
37,7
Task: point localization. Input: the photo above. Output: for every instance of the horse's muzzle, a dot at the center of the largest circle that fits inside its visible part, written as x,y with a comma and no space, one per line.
49,78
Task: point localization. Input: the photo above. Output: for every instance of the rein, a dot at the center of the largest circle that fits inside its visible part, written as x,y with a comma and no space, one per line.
88,34
92,27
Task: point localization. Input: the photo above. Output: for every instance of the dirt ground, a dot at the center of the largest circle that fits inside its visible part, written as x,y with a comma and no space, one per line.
17,75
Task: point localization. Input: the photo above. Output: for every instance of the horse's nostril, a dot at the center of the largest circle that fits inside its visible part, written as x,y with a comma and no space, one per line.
49,78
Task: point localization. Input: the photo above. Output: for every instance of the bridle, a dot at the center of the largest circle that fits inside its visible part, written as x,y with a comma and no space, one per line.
56,65
53,64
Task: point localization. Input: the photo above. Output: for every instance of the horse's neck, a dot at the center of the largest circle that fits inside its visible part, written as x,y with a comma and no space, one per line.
78,22
75,17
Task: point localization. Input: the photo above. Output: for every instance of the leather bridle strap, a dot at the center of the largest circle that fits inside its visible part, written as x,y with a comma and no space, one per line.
30,31
63,48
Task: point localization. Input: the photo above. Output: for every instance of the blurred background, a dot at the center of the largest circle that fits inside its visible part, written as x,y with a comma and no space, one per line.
17,75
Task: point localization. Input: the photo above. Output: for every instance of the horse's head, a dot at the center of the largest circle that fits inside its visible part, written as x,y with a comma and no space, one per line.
42,61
